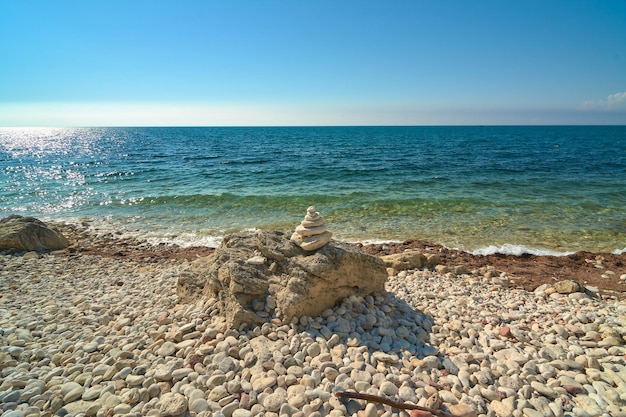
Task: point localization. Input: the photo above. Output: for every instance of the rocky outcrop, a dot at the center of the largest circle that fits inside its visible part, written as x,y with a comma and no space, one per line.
257,277
409,259
311,233
29,234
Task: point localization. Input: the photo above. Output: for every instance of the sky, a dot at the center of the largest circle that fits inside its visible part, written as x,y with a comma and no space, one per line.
322,62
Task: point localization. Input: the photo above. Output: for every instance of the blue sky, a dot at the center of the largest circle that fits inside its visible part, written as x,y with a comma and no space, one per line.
192,62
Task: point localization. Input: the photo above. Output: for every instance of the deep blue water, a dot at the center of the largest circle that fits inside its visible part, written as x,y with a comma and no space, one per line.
548,188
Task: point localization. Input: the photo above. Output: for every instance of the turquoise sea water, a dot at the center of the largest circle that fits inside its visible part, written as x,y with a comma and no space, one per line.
510,189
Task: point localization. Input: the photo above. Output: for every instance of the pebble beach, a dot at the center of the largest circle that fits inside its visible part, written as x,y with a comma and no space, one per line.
83,334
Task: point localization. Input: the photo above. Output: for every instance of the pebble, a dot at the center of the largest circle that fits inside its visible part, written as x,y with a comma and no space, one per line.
242,412
70,342
173,404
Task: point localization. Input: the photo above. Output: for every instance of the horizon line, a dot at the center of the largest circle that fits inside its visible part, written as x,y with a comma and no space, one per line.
305,125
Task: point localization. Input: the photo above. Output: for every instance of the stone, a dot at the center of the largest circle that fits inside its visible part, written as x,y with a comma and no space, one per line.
74,394
389,388
571,385
229,408
85,407
21,233
588,404
505,331
370,410
420,413
531,412
241,412
122,409
311,233
303,283
274,401
68,387
409,259
462,410
444,269
544,389
173,404
13,413
568,286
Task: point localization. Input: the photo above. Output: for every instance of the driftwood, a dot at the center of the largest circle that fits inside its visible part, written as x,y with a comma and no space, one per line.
395,404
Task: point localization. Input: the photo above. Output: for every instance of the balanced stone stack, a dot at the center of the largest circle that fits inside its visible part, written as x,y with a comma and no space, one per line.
311,233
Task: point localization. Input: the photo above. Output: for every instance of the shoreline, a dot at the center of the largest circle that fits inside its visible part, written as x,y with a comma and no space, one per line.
600,270
169,232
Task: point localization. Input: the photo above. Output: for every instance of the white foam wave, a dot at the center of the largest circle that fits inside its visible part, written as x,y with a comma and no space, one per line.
619,251
516,250
189,239
129,230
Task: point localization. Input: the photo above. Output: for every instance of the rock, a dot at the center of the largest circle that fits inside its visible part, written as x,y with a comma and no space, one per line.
531,412
13,413
29,234
173,404
588,404
69,387
241,412
567,287
300,284
166,349
409,259
571,385
462,410
420,413
444,269
311,233
433,259
389,388
506,332
544,390
370,410
86,407
73,395
274,401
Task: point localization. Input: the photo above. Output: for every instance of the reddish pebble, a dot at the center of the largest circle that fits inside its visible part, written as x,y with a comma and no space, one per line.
506,331
572,389
420,413
244,401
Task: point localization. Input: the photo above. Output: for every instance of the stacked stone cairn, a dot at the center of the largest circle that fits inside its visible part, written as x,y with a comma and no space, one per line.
311,233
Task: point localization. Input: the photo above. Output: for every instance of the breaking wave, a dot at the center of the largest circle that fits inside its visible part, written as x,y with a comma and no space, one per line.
516,250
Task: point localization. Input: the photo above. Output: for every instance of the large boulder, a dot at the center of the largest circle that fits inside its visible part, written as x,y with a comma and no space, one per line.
255,277
29,234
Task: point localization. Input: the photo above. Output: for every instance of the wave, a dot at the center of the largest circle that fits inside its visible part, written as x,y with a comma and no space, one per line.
245,161
619,251
516,250
282,201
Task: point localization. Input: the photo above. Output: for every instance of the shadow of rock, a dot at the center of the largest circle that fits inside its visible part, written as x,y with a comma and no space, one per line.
381,327
382,322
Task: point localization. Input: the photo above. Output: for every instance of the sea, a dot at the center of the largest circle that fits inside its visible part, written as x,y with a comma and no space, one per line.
483,189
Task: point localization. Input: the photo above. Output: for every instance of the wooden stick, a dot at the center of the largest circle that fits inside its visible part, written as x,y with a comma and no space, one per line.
386,401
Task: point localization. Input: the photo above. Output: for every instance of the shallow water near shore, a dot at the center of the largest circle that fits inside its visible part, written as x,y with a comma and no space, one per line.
547,190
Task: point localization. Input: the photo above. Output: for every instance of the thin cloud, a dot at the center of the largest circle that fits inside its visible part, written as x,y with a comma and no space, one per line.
615,101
